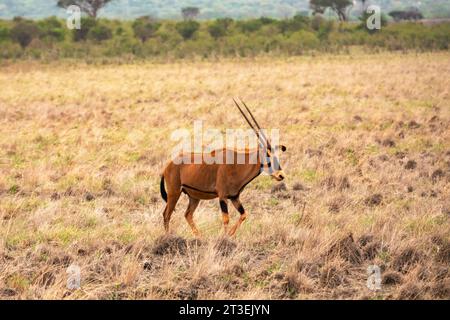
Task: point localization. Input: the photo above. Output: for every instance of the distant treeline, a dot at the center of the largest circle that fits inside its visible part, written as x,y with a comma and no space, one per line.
145,37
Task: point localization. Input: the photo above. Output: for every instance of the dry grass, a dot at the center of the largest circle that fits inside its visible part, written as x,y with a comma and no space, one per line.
368,167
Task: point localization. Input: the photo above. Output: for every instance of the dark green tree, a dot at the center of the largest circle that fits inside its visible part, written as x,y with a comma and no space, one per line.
100,33
52,29
145,27
86,25
220,28
250,26
187,28
90,7
410,14
24,31
298,22
190,13
340,7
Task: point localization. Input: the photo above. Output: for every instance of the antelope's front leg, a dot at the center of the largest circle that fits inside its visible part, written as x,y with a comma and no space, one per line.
243,215
225,216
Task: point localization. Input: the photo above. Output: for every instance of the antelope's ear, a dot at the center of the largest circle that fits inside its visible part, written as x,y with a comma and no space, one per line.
283,148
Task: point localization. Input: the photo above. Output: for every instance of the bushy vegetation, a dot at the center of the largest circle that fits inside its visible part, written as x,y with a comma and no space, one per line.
209,9
146,37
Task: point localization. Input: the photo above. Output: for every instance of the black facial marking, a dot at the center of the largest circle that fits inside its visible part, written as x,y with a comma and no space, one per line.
241,209
223,206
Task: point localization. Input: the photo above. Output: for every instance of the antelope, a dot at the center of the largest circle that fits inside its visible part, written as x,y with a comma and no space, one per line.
205,181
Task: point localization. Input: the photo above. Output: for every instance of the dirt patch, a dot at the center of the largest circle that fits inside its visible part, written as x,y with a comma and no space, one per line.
89,197
329,182
400,155
55,196
47,279
332,182
191,290
433,119
343,183
187,293
371,250
225,246
280,187
7,292
388,143
408,258
392,278
437,175
413,125
236,270
310,269
347,249
374,200
369,246
336,204
298,187
331,277
170,244
365,239
334,207
357,118
411,165
61,260
313,153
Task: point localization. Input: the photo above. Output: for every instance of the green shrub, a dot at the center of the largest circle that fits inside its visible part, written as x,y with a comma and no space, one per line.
145,28
86,25
4,33
24,31
145,37
297,23
220,28
100,33
52,29
187,29
250,26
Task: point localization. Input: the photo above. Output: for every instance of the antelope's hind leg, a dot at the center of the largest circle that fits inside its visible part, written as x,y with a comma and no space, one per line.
189,215
172,200
243,215
225,216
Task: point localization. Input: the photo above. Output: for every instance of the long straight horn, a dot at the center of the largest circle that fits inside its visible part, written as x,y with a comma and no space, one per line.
249,122
257,125
245,117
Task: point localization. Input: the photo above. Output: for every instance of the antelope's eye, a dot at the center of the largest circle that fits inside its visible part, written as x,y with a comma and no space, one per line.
283,148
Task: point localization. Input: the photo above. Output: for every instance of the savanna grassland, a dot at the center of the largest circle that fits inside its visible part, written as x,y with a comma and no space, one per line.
368,171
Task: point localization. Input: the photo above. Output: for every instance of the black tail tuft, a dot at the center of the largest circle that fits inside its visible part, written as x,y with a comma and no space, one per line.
163,189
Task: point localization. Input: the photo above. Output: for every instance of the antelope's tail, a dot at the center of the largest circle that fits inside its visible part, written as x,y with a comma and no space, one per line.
163,189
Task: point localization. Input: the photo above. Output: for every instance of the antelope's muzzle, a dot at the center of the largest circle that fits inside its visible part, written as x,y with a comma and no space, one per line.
279,175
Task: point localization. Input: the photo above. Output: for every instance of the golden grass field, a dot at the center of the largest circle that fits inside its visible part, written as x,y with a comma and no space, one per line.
368,172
